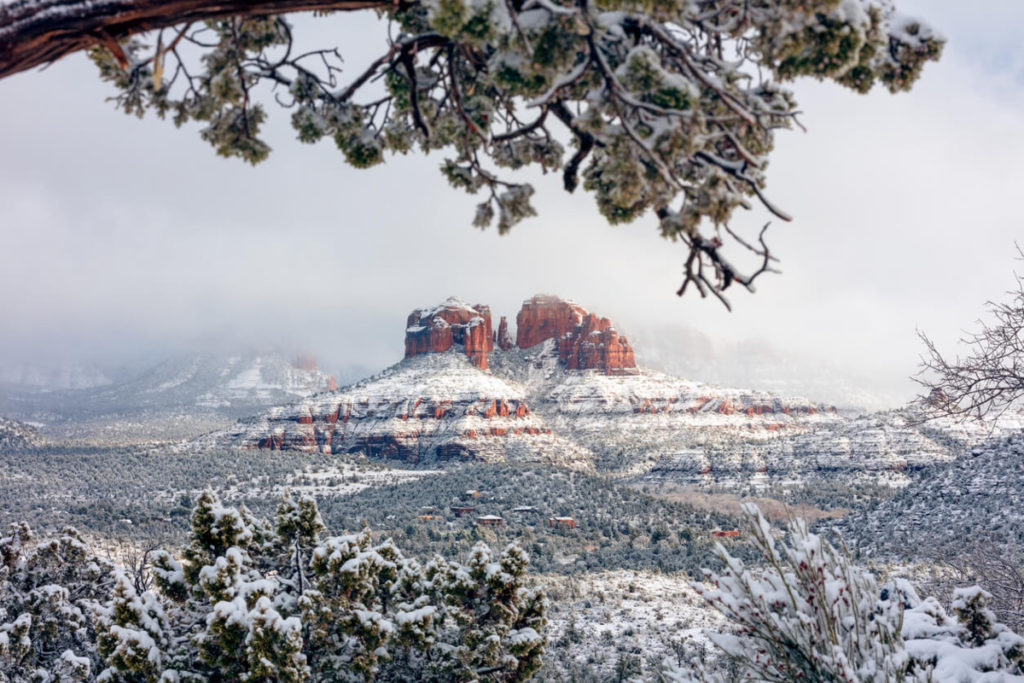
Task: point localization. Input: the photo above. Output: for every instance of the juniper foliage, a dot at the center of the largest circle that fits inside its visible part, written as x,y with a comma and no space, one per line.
666,106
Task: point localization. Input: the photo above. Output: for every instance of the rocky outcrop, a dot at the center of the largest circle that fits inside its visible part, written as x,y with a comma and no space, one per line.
546,317
454,322
584,340
16,435
307,363
502,338
456,398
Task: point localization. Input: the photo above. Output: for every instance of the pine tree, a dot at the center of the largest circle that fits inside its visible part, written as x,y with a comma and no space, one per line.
133,634
254,601
494,622
49,591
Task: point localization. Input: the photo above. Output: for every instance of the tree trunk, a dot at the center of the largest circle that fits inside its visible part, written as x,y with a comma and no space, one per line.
37,32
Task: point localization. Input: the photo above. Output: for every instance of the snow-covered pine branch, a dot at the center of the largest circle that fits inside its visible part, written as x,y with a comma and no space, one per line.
671,107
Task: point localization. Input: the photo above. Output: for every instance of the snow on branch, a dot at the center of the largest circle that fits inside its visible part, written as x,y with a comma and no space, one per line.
671,108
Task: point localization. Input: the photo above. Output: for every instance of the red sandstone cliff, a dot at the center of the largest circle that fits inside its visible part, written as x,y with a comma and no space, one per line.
585,341
503,338
436,330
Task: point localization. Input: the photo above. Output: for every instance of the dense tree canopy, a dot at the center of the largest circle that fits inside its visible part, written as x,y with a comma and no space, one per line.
253,600
666,106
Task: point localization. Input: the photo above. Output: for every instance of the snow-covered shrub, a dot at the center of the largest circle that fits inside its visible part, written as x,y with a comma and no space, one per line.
259,601
809,614
964,648
49,591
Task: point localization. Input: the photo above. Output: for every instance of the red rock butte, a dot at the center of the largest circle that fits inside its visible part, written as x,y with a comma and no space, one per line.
584,340
435,330
307,362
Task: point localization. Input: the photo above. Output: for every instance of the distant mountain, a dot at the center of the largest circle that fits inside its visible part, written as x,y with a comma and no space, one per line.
45,377
235,382
209,384
15,435
687,352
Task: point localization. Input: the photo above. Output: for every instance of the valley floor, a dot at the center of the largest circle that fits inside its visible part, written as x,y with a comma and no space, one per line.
618,577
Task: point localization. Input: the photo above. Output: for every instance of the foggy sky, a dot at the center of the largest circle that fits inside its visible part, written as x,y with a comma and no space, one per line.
129,238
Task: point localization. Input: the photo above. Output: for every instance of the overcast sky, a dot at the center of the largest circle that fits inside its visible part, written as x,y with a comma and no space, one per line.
127,237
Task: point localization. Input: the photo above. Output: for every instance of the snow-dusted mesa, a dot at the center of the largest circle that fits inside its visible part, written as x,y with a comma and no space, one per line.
632,420
435,407
581,376
882,448
565,389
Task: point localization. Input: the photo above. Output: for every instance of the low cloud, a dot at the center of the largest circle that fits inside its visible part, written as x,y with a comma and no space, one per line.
124,236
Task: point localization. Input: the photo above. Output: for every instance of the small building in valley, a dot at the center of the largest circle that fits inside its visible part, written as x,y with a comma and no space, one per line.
561,522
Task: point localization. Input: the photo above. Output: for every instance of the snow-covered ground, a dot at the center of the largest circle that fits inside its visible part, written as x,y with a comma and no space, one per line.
601,621
342,479
424,409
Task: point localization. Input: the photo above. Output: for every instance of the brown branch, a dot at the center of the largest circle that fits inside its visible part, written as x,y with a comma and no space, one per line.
457,96
409,63
703,250
570,176
424,40
34,32
987,381
525,130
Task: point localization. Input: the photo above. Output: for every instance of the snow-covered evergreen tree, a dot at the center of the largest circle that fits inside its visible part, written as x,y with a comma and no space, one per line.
49,591
133,634
495,622
255,601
